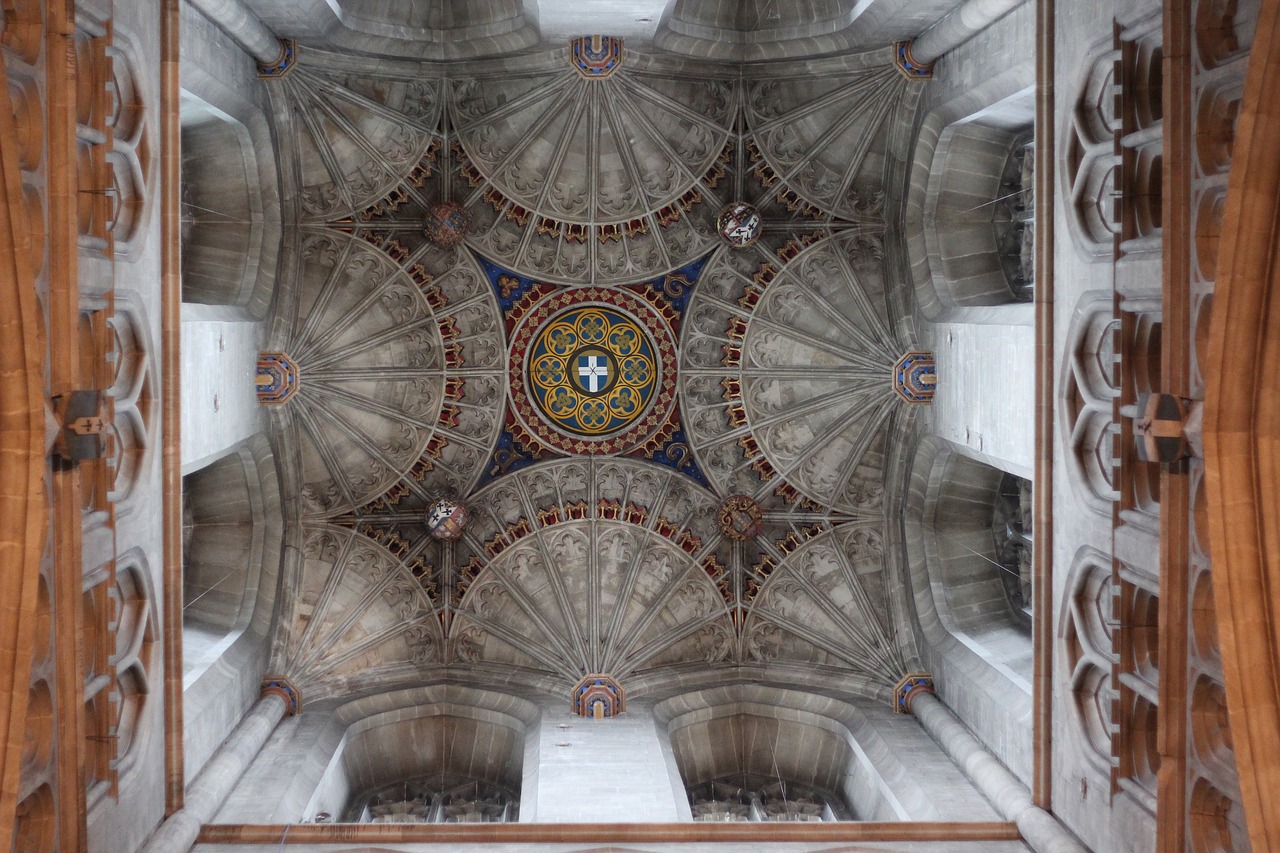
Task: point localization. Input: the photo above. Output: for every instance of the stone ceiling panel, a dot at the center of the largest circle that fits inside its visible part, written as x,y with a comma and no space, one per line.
786,371
382,349
577,181
406,319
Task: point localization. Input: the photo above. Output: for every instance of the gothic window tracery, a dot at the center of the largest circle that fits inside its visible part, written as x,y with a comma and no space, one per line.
752,798
437,799
1011,525
980,217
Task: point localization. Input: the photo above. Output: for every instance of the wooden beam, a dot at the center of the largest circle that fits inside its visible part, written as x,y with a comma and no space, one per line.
602,833
24,515
1242,438
1042,485
64,177
1175,368
171,414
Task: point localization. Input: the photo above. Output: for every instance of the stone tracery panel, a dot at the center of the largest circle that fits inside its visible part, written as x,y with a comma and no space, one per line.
1090,177
136,632
576,180
1090,387
818,144
786,372
132,161
1089,651
381,347
129,386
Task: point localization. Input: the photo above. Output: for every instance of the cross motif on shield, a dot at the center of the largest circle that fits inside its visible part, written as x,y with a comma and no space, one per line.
594,370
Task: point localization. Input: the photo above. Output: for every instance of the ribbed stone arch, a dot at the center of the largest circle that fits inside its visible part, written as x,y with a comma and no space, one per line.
785,371
384,402
883,766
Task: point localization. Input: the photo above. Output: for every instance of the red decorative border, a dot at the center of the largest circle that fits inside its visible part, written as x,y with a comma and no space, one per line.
535,432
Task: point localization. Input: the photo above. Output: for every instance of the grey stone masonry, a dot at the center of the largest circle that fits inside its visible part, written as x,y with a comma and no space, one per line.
958,27
210,789
593,771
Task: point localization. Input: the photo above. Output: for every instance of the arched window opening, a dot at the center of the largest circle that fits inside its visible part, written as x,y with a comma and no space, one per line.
978,524
231,529
760,752
437,760
969,543
760,767
228,253
980,214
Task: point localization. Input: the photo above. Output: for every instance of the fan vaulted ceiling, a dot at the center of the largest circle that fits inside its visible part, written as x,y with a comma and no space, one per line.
590,556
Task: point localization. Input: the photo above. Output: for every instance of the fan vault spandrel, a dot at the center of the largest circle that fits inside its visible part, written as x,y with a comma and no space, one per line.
401,369
576,180
591,565
820,145
785,372
825,604
360,139
597,565
357,617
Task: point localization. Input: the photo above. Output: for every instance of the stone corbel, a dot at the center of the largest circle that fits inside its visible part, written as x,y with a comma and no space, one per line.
278,685
908,687
907,64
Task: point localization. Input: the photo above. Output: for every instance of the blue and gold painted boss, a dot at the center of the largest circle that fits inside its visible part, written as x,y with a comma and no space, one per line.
592,370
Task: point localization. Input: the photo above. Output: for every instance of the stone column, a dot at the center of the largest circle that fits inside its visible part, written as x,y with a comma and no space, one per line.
214,784
1010,797
962,24
239,22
